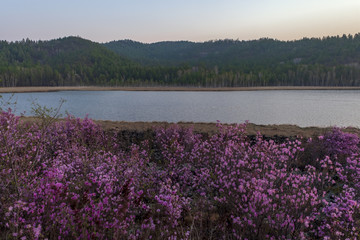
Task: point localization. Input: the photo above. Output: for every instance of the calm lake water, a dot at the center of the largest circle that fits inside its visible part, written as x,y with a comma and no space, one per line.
300,107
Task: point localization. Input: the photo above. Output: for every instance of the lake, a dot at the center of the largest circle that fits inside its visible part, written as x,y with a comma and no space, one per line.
300,107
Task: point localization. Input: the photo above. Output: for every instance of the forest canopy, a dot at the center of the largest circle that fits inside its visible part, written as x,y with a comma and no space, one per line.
73,61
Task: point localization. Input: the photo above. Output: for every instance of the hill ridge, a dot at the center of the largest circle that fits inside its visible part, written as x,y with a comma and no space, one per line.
74,61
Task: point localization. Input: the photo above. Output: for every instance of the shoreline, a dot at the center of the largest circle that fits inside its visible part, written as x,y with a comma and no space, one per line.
190,89
283,130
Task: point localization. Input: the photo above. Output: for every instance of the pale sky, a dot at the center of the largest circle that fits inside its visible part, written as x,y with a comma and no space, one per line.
172,20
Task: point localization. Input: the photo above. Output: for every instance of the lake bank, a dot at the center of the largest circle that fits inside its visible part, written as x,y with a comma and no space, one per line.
283,130
94,88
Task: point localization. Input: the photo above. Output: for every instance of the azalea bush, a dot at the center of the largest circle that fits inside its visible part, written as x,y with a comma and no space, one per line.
71,180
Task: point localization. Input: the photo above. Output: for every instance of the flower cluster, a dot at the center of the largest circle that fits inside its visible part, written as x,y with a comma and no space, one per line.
71,180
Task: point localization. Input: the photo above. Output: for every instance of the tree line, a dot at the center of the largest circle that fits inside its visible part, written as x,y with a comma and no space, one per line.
73,61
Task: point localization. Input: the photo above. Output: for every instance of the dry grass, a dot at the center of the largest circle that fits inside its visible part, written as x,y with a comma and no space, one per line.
210,128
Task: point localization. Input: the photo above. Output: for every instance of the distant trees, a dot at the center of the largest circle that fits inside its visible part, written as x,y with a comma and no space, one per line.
330,61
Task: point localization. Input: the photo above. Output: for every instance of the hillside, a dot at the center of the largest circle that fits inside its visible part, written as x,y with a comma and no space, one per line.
66,61
330,61
232,54
73,61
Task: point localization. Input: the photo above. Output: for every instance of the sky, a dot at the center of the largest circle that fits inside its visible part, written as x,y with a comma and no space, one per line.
173,20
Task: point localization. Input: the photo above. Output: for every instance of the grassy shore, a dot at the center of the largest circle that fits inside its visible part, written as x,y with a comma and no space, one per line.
285,130
93,88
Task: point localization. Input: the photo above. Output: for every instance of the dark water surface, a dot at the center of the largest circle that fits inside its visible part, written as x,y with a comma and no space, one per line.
300,107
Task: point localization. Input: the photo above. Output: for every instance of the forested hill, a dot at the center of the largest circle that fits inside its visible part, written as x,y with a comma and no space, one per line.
61,62
330,61
234,54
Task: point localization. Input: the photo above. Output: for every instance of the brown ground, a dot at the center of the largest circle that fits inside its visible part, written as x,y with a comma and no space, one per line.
252,129
54,89
210,128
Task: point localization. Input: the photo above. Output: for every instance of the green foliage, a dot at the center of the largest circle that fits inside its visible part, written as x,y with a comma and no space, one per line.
247,55
72,61
62,62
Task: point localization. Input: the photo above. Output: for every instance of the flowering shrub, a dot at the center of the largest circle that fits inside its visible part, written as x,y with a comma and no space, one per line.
71,180
338,142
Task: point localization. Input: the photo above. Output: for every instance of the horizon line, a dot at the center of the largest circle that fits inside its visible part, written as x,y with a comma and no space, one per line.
163,41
